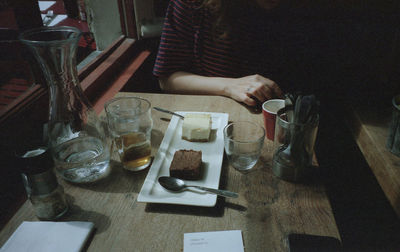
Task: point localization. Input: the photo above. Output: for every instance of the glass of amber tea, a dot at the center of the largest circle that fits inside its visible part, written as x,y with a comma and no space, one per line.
130,125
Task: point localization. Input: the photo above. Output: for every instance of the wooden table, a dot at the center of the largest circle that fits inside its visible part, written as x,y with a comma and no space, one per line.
267,210
370,127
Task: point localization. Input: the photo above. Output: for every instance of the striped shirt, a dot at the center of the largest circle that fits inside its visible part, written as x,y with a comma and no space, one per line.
263,43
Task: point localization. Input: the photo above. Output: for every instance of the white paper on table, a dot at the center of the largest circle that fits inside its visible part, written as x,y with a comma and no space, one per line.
44,5
218,241
46,236
57,19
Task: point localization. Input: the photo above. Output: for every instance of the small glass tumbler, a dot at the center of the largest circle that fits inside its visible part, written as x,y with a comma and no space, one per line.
130,124
243,143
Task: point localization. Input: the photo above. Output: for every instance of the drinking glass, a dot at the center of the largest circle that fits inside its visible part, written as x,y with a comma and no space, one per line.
243,143
130,125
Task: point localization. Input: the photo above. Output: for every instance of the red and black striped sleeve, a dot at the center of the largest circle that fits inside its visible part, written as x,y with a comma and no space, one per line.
175,52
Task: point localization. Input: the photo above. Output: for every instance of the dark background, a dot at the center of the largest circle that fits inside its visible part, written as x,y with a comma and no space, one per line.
359,59
354,53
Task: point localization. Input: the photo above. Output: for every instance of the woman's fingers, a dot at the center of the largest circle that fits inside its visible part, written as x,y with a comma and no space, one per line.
270,88
267,92
274,88
248,100
255,88
261,91
261,95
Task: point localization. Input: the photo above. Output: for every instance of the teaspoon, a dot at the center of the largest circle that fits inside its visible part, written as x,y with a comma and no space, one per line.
169,112
175,184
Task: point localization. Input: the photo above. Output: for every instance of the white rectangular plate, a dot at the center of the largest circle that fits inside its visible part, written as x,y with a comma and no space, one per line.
212,155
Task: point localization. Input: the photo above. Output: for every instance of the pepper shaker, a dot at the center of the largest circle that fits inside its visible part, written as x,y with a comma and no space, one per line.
46,195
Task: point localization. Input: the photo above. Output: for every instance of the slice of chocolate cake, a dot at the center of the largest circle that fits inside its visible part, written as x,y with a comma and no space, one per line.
186,164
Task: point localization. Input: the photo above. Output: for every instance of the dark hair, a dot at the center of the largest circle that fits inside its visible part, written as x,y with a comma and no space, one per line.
224,12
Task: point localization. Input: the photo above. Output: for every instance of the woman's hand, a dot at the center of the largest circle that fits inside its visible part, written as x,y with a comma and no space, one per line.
247,89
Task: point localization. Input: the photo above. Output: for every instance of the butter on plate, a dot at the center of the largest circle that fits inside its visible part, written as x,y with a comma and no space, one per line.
196,127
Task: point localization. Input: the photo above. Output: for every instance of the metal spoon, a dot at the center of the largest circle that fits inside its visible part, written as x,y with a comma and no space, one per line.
289,107
175,184
169,112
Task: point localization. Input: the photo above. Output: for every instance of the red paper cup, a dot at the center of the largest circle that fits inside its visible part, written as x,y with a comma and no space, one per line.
270,108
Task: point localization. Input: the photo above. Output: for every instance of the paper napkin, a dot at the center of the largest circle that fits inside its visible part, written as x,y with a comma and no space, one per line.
219,241
46,236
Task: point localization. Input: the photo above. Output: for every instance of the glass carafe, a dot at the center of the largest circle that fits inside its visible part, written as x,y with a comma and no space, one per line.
76,137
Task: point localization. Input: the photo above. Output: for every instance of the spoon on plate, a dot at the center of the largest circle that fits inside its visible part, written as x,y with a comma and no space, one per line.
169,112
177,185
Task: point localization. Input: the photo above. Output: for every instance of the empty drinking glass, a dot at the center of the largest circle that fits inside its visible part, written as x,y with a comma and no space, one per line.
243,143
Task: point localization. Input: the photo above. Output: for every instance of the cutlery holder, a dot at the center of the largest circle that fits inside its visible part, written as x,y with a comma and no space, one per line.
393,141
293,148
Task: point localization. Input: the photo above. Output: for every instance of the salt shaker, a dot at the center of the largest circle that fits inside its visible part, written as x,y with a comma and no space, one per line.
42,188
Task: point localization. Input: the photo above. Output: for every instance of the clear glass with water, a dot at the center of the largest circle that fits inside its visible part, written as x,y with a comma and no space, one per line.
243,143
76,136
82,159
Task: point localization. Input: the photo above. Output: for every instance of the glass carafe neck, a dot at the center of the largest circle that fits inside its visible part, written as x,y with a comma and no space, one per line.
55,50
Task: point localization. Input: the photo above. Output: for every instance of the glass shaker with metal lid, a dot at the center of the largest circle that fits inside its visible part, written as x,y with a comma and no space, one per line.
40,182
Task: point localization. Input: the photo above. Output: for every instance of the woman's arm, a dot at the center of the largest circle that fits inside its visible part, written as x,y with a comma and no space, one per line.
243,89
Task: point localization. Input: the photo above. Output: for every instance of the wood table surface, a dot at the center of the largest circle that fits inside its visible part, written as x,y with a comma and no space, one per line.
266,211
370,127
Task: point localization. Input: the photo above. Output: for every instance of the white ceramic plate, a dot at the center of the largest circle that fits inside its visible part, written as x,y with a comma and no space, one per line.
212,155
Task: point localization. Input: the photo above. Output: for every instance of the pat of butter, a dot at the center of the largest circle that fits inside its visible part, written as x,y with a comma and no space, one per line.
196,127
